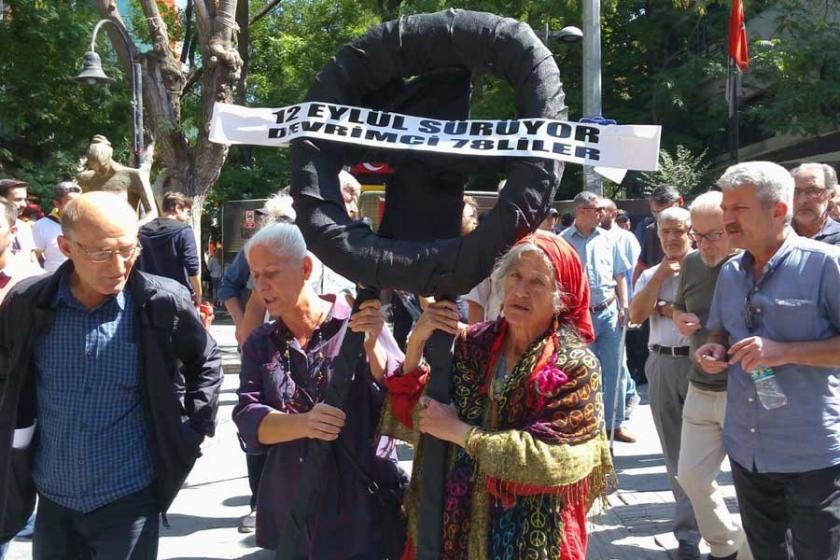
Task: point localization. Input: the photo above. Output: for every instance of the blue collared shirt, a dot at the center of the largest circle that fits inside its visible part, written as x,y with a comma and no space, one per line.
94,441
235,278
797,299
830,233
602,258
630,247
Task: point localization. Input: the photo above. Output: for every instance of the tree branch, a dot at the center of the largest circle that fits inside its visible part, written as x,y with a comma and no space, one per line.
157,28
191,81
203,20
264,12
188,31
243,44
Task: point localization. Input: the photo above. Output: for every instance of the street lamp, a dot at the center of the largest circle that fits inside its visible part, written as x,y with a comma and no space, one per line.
569,34
92,73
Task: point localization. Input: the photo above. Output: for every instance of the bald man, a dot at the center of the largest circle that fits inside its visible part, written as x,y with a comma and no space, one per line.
89,357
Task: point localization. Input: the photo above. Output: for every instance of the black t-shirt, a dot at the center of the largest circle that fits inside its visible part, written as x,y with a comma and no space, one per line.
652,253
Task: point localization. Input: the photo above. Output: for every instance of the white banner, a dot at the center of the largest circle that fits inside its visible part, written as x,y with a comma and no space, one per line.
616,146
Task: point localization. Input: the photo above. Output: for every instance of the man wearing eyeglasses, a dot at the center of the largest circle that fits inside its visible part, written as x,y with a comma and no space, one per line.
94,350
704,407
815,185
778,306
169,247
606,267
668,364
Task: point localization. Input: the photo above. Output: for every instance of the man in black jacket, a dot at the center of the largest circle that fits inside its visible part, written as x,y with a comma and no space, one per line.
89,357
169,247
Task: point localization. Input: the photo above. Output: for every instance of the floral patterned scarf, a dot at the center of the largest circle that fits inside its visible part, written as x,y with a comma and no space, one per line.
541,398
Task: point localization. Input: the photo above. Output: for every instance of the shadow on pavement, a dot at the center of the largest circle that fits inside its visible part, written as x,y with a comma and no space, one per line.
181,525
257,555
639,461
613,550
236,501
188,486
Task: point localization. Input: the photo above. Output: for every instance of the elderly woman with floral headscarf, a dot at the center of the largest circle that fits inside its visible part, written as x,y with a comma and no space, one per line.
530,452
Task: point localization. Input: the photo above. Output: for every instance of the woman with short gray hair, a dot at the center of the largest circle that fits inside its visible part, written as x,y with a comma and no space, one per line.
287,368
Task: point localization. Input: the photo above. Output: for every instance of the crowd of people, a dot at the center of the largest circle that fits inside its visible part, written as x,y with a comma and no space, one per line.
109,381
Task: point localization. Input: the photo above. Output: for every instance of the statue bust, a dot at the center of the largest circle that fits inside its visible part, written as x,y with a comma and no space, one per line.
104,174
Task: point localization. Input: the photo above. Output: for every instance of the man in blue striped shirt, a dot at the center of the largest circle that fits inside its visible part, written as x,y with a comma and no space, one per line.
98,347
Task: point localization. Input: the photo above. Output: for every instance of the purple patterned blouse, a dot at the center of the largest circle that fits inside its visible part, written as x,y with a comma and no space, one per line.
346,521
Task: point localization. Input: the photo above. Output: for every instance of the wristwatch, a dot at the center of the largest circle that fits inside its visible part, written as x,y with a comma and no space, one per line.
660,305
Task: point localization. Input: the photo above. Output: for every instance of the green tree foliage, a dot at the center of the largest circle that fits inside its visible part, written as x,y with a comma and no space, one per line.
288,47
46,119
664,62
684,170
797,70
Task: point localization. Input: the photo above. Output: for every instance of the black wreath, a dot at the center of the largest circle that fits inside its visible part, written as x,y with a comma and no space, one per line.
422,65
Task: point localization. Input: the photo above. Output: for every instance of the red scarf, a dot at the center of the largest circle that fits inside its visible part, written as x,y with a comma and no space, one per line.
571,280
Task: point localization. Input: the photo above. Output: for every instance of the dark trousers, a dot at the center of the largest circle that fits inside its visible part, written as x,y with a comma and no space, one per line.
124,529
636,346
255,462
807,504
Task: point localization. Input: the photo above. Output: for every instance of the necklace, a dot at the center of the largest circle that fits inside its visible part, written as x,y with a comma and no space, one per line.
316,378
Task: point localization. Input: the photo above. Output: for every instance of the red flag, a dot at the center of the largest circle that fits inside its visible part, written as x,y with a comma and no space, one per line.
738,37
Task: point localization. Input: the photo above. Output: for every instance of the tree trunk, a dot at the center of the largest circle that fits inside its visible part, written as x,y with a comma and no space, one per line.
189,168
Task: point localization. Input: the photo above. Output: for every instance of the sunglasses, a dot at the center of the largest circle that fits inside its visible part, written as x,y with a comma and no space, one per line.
752,313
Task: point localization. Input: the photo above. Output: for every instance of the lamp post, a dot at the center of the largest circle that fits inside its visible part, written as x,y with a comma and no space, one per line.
92,73
592,80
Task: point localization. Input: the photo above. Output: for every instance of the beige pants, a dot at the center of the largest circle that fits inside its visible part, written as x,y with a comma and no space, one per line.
700,459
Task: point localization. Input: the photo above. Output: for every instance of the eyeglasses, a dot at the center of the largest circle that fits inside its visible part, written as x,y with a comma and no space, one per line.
106,255
594,208
810,192
714,235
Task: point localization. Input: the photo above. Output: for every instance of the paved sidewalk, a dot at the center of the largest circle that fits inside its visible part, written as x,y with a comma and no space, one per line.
204,517
638,522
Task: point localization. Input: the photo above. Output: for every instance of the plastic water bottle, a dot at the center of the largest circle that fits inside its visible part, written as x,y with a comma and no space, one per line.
767,386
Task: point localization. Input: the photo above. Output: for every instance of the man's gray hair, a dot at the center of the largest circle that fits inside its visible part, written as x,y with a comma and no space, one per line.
707,203
675,214
505,265
284,240
773,183
278,208
585,197
828,173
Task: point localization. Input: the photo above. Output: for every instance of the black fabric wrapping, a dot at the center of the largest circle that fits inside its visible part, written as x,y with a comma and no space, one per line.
417,65
422,65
